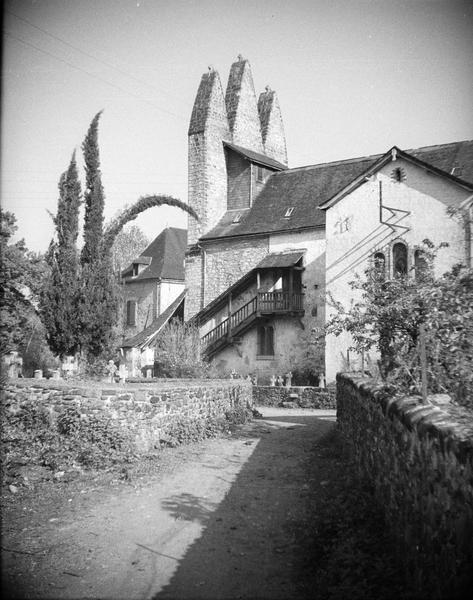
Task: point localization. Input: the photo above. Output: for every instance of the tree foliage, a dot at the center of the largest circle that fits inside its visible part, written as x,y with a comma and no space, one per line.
130,213
81,297
60,295
178,351
94,199
389,316
20,274
128,244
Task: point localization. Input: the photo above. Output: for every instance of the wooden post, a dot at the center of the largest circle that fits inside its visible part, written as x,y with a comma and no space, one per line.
229,315
423,363
291,288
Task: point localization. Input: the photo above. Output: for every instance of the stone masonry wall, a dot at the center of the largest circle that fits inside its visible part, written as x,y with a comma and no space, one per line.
419,459
144,409
228,260
302,396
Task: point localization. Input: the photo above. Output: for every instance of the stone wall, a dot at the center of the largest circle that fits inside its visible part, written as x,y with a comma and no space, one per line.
145,409
307,397
419,459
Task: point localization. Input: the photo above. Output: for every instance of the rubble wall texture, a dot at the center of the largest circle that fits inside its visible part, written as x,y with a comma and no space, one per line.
419,460
145,409
307,396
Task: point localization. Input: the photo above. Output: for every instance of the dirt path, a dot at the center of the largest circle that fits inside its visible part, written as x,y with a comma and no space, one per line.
226,522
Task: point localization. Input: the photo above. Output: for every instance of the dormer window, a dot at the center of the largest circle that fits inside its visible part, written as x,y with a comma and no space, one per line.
456,171
237,218
289,212
135,269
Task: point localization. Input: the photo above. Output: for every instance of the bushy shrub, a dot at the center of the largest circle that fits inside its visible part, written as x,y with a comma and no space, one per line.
94,442
178,352
392,315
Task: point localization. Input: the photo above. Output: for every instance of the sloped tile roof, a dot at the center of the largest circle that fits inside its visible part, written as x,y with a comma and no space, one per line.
306,188
280,259
256,157
166,254
145,337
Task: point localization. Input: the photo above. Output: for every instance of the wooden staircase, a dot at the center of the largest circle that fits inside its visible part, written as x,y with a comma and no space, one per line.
263,304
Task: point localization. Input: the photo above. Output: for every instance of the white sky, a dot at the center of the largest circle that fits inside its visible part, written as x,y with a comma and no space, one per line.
353,78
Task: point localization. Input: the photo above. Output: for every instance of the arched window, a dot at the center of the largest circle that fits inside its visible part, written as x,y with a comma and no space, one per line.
266,340
399,260
421,265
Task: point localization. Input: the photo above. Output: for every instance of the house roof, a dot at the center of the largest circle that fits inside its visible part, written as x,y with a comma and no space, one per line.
392,155
145,337
270,261
256,157
281,259
165,255
307,188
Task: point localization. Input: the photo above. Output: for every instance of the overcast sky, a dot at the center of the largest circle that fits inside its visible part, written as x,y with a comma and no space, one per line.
353,78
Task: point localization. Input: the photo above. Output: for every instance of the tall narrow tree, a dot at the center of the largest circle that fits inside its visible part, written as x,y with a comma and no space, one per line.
59,297
98,300
94,199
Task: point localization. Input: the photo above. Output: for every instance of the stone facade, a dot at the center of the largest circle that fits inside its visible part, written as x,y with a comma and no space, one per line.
147,410
419,460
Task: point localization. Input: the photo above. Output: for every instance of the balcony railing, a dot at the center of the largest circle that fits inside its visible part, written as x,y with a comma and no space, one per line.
263,303
269,302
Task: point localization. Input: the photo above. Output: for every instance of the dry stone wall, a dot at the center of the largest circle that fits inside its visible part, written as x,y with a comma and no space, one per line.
295,396
419,459
146,410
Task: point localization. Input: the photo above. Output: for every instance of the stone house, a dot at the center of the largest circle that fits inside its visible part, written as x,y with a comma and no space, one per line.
153,292
271,241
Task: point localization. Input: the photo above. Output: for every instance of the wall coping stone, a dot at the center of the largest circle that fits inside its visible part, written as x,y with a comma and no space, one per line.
451,425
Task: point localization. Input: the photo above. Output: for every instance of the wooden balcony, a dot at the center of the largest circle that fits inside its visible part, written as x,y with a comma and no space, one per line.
263,304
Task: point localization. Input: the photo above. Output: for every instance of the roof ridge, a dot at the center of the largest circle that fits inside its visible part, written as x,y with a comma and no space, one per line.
371,156
438,145
333,163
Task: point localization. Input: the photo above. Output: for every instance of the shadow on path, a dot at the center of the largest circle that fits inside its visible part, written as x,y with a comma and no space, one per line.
252,542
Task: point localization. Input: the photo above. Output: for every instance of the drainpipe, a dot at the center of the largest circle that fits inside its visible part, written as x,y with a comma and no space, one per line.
467,207
203,276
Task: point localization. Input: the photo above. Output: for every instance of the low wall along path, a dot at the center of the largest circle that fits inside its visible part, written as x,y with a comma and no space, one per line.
145,409
419,459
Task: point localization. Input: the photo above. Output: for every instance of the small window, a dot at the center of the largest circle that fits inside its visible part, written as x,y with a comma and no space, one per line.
259,174
398,175
421,266
399,260
289,212
135,269
131,312
265,340
237,218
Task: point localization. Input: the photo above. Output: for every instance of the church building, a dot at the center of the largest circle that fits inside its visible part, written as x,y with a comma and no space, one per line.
272,241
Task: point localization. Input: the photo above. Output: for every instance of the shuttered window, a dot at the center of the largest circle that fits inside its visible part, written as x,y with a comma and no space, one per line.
131,312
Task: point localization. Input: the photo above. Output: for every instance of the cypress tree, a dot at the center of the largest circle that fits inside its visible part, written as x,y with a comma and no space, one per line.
59,297
98,302
94,199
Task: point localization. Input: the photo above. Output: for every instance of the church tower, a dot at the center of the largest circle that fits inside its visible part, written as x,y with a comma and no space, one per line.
236,118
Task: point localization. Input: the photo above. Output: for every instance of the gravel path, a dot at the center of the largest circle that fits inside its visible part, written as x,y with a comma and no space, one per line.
225,522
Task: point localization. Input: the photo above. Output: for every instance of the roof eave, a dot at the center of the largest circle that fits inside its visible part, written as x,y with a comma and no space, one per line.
390,156
259,233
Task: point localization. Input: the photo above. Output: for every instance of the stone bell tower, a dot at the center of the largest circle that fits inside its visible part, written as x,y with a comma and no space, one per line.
236,118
